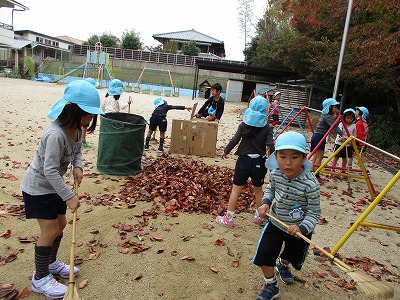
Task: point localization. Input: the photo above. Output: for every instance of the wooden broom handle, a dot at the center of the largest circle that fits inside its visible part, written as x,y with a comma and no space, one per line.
299,234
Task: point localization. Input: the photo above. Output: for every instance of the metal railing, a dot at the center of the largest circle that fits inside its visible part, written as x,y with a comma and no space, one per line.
6,26
149,56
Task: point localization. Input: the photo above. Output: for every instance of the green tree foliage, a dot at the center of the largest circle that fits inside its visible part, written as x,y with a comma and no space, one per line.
170,47
106,39
131,40
272,43
92,40
30,65
190,48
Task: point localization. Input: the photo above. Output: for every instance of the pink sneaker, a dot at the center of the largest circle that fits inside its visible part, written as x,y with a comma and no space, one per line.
320,181
224,220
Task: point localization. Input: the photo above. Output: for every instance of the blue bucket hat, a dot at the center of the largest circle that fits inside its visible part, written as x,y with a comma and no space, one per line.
289,140
81,93
95,83
116,87
158,101
327,104
365,112
256,114
349,110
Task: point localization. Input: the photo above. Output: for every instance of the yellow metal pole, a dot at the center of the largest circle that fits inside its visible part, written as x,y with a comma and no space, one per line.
366,212
381,226
349,139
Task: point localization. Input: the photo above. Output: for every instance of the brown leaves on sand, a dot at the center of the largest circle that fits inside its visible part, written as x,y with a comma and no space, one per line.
8,292
182,185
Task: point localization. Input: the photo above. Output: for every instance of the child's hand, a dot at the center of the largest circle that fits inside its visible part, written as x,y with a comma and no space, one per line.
224,155
78,175
293,230
73,203
263,210
188,108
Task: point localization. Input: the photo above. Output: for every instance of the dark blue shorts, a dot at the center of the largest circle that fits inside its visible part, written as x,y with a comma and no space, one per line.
315,139
270,245
344,153
46,207
160,122
249,167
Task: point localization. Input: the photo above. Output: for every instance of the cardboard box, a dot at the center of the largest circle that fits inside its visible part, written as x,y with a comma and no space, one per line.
195,136
203,140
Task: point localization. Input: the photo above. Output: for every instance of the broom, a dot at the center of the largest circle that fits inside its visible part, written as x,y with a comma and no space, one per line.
72,292
370,286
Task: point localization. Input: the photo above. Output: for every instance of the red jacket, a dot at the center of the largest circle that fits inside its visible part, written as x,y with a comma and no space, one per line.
361,131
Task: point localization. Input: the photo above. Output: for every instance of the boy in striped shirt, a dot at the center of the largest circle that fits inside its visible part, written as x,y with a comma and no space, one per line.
297,203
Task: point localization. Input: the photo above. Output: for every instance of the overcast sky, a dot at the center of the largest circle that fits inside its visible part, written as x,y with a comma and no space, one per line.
82,18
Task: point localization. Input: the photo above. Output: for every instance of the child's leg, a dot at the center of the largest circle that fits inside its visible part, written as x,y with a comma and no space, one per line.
62,222
162,140
334,162
258,192
233,198
149,133
48,233
344,164
227,220
270,289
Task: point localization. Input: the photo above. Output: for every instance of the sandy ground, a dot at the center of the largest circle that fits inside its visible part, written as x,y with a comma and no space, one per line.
160,272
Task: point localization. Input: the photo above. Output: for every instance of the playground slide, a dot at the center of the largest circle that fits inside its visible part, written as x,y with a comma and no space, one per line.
68,73
109,72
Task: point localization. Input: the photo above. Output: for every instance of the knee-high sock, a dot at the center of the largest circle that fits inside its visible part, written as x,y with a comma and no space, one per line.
42,257
54,249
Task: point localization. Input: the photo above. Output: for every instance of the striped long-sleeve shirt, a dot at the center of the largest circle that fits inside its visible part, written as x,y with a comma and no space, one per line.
292,197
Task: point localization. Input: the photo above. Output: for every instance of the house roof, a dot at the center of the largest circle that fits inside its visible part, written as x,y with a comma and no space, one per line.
42,35
19,43
70,39
187,35
12,4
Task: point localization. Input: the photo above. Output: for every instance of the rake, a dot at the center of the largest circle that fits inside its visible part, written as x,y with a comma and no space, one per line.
72,292
369,285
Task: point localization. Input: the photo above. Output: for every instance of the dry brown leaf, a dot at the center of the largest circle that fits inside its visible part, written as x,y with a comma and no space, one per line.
24,293
188,258
84,283
214,270
235,263
94,255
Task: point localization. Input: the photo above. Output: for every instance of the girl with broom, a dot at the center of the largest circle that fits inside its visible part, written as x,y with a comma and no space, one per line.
46,194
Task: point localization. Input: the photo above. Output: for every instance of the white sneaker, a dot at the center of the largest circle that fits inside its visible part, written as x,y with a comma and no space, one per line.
59,268
49,287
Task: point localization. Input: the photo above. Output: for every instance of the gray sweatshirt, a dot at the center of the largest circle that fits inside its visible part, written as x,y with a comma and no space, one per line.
325,122
55,152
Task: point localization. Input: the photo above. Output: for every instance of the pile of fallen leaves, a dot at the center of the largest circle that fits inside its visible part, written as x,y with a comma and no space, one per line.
184,185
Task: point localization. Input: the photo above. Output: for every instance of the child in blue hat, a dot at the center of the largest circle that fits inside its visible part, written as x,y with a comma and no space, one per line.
112,103
46,194
254,135
297,203
362,132
346,154
85,144
325,122
159,119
